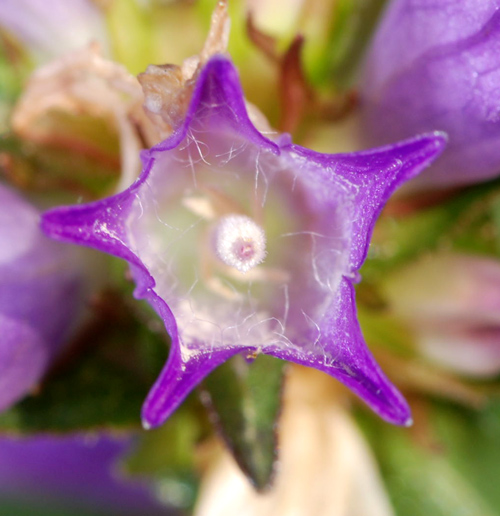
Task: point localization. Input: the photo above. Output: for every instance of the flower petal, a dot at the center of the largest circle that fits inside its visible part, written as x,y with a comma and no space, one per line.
178,378
339,349
52,28
97,225
369,177
23,358
40,298
435,65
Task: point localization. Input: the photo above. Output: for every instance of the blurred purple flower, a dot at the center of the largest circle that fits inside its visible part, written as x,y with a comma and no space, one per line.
52,28
435,64
245,244
452,304
72,473
40,295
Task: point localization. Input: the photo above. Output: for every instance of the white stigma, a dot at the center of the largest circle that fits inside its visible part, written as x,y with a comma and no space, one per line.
240,242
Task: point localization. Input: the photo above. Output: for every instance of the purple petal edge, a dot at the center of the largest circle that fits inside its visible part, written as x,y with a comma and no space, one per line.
395,164
341,337
177,379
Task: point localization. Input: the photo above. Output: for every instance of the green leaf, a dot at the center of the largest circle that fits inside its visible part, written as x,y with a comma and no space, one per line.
15,68
167,456
60,170
128,24
383,329
49,506
455,472
336,59
100,383
156,31
245,400
167,448
472,441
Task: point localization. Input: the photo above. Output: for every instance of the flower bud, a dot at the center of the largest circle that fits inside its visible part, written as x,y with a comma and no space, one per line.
452,303
435,65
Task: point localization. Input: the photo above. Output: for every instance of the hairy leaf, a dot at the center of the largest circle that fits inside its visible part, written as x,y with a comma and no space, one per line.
245,402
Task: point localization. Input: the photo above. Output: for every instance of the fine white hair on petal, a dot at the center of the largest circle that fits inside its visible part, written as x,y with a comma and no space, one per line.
240,242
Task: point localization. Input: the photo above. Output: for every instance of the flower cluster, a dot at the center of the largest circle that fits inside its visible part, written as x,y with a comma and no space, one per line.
250,246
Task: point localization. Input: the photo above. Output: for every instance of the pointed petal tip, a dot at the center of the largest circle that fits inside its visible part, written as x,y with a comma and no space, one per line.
408,422
399,412
442,135
64,224
418,153
433,140
437,139
218,65
222,71
146,425
151,418
432,143
50,223
219,62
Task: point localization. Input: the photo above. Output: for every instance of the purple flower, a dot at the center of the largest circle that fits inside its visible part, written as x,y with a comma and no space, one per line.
72,473
40,293
245,244
435,64
51,28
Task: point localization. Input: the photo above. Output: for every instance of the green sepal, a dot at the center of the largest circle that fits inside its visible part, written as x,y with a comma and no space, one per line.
166,455
245,402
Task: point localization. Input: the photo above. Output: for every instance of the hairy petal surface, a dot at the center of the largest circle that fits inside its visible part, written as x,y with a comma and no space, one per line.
296,302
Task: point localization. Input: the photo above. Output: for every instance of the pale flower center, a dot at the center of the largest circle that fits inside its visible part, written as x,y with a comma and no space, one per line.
239,242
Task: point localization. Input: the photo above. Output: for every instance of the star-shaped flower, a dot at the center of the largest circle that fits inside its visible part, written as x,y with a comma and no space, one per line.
249,244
